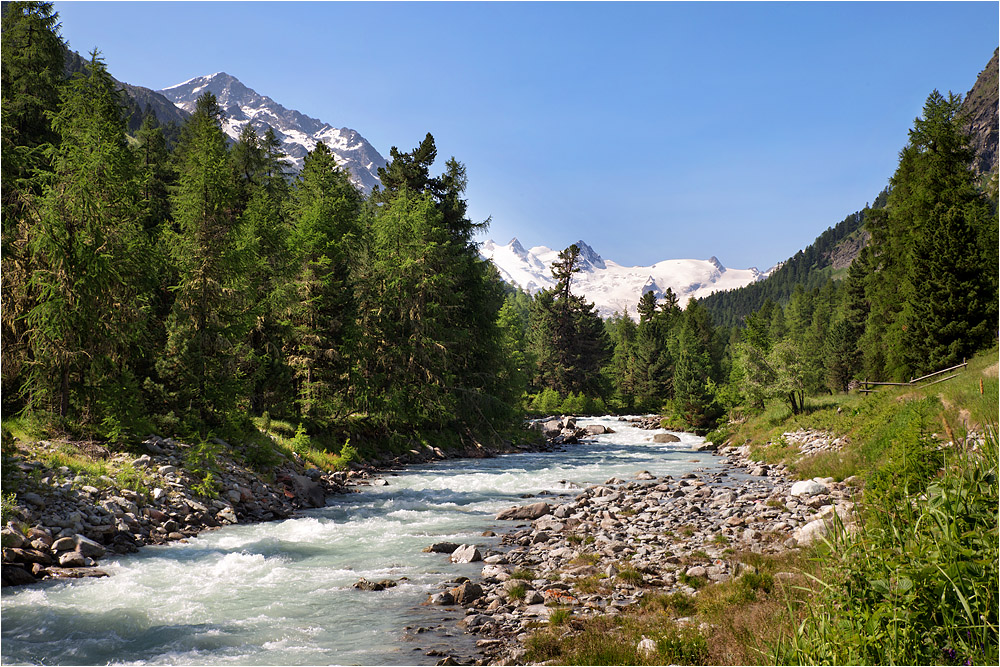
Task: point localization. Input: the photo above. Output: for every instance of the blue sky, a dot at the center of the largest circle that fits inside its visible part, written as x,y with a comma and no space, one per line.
650,130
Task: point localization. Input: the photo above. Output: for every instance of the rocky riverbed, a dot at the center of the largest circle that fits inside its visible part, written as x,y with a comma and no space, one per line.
603,550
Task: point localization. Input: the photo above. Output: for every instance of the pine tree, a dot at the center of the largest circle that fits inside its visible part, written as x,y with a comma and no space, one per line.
87,249
324,238
31,59
568,335
933,300
209,320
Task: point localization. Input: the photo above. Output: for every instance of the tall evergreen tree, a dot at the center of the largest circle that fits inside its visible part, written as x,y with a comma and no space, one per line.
933,300
87,247
324,240
31,60
567,334
208,323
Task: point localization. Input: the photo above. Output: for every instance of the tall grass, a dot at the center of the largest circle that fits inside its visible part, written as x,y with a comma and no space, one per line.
918,582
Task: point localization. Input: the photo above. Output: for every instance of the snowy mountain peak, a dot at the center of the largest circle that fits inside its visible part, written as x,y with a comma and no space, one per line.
297,132
590,256
612,287
517,248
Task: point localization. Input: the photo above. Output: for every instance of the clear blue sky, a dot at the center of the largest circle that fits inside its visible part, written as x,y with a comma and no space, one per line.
650,130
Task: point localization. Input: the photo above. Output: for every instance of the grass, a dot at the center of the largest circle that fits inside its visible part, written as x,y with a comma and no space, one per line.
917,584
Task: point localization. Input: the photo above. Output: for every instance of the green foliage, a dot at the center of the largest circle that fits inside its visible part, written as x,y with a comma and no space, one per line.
917,584
8,502
348,453
201,460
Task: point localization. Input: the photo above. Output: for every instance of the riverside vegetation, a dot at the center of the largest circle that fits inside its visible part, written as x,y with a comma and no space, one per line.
301,323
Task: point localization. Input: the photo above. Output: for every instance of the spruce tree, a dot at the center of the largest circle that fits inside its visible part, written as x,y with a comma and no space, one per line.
324,241
87,250
209,320
31,60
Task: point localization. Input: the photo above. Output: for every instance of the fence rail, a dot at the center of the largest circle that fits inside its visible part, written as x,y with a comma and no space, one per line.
870,385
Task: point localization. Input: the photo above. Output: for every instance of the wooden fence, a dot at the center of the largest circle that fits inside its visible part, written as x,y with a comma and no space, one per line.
869,386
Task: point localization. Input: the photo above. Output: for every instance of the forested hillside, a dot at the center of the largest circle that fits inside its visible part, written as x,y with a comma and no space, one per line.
834,249
190,290
197,288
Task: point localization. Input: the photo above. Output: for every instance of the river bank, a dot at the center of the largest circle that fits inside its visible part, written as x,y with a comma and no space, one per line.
604,550
64,522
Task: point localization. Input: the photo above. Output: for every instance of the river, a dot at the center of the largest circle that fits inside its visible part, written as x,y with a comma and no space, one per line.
281,593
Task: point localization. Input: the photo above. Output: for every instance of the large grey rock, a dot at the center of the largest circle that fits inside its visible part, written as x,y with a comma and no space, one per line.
525,512
310,492
89,548
665,437
807,487
467,553
32,499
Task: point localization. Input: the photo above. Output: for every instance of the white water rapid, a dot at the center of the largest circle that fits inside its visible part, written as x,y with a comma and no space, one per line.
281,593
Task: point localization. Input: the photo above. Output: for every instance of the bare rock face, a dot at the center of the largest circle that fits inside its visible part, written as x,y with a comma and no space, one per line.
980,108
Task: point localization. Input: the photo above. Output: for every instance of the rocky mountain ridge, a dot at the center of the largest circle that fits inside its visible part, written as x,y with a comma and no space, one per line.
297,132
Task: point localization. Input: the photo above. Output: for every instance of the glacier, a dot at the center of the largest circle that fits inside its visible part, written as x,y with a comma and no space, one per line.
612,287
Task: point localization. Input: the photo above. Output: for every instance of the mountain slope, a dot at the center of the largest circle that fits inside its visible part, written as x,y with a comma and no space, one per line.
836,248
298,133
981,109
611,286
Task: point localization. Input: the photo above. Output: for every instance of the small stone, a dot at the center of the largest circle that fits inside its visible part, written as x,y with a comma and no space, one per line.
646,647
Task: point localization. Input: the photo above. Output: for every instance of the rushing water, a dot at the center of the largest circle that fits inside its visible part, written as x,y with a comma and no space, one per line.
281,593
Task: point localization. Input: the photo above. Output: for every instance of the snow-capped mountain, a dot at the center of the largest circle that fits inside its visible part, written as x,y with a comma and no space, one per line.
610,286
298,133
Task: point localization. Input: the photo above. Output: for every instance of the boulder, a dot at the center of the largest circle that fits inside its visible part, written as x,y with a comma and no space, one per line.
441,599
467,593
441,548
597,429
72,559
88,547
366,585
308,491
467,553
64,544
15,575
665,437
11,538
807,487
525,512
32,499
646,647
